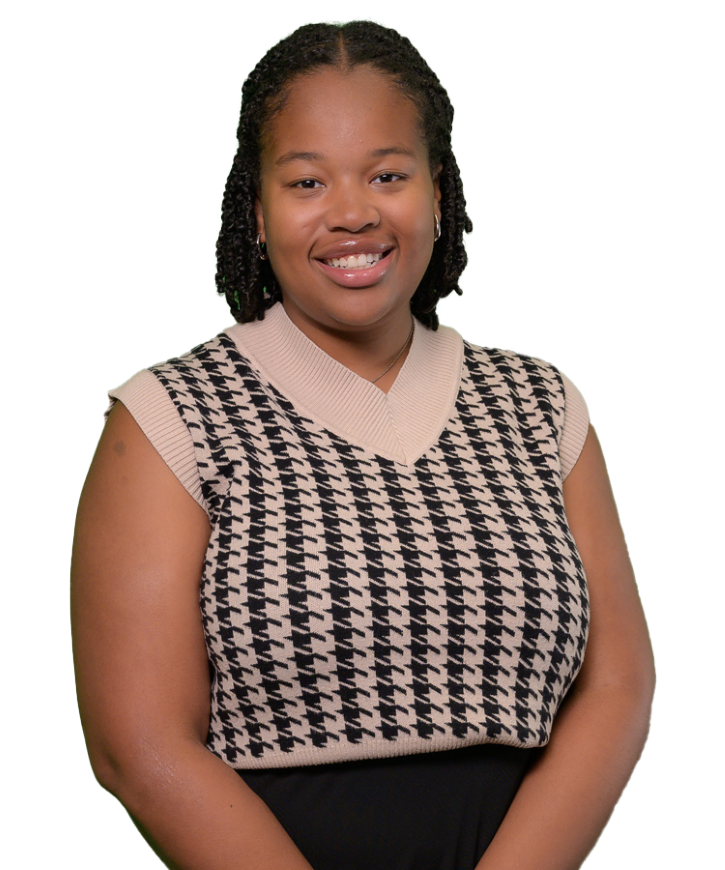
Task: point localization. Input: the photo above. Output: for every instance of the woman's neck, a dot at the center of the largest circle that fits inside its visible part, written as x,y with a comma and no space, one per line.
376,352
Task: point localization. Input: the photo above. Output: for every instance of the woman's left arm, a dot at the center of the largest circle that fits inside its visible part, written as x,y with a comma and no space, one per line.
570,791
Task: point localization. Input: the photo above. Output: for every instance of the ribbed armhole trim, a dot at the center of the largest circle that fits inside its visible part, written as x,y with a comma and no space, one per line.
154,411
575,429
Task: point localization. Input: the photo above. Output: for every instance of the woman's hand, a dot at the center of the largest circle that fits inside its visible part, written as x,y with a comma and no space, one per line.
569,793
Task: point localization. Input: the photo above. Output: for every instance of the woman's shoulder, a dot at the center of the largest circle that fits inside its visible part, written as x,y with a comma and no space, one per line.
158,384
511,365
156,395
530,369
528,376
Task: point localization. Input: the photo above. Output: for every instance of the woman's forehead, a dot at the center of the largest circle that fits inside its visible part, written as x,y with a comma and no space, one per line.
331,108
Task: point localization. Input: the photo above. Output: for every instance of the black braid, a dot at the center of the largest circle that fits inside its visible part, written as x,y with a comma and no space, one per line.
247,281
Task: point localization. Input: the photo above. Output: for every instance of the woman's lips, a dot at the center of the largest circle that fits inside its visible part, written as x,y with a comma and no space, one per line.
355,275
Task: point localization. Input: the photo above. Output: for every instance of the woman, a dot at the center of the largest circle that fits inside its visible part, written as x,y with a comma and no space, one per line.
387,529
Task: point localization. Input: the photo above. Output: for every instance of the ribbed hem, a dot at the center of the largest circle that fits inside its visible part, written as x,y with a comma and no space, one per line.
372,748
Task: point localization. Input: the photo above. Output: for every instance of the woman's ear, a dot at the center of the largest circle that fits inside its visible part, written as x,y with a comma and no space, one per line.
437,192
260,217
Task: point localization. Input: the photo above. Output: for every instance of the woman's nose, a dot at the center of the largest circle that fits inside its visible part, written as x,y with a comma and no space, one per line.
351,209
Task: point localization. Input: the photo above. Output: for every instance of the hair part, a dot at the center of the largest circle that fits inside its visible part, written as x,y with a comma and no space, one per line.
248,282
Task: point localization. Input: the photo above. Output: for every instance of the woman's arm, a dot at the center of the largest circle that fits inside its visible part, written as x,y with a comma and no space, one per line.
141,666
569,793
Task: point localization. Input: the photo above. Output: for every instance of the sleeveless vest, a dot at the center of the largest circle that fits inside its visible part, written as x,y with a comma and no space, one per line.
356,605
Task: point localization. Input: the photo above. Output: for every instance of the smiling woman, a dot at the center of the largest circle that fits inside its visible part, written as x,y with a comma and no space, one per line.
347,207
335,570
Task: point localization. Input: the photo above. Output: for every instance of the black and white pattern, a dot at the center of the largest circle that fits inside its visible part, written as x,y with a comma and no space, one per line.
355,606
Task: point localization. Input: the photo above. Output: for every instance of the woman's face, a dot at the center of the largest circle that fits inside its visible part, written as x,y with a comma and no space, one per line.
345,180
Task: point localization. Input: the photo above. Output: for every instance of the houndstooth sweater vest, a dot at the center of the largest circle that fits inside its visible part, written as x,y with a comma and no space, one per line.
386,574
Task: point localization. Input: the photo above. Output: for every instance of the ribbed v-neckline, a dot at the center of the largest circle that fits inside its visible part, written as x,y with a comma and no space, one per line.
399,425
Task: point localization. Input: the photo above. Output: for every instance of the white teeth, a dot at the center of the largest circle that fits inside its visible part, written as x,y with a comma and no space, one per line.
354,261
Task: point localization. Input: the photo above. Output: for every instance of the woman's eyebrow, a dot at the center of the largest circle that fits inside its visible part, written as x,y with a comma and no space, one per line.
313,156
394,149
298,155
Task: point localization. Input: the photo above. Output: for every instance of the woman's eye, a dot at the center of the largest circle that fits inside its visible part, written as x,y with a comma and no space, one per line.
307,184
387,178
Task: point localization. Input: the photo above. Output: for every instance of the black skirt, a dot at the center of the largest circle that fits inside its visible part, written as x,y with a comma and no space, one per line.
433,811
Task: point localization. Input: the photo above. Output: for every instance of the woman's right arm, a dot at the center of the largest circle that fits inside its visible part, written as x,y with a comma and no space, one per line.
142,671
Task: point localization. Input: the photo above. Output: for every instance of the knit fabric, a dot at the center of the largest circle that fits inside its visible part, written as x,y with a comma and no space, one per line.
386,574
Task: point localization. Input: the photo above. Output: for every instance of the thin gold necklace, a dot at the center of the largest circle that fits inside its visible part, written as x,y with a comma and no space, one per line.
399,354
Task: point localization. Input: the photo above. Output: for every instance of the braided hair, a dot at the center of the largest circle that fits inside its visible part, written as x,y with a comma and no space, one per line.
247,281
